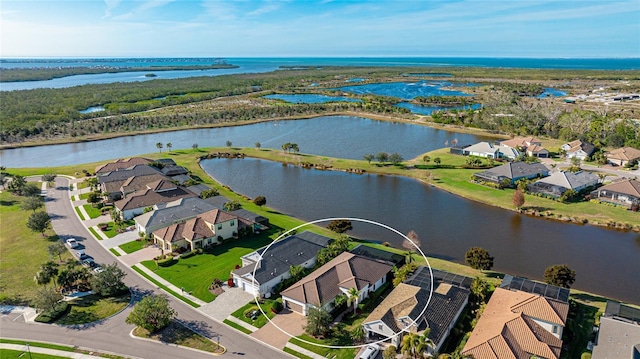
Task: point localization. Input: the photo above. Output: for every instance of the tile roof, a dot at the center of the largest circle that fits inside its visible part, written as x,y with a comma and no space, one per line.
161,185
629,187
399,303
521,142
146,198
217,216
624,153
125,174
122,163
136,183
344,271
194,228
292,250
577,145
509,319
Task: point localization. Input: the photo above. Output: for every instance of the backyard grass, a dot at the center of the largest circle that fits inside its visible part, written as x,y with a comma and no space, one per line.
165,288
236,326
23,252
178,334
80,215
92,211
325,352
261,320
115,252
93,308
195,274
133,246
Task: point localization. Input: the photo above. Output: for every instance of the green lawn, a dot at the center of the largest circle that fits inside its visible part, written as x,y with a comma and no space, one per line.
164,287
92,308
23,252
236,326
10,354
95,234
261,320
83,195
79,213
178,334
196,273
112,229
325,352
578,330
115,252
295,353
93,212
133,246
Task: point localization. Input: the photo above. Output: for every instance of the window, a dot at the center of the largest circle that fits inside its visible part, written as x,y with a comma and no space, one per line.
380,326
555,329
231,223
219,226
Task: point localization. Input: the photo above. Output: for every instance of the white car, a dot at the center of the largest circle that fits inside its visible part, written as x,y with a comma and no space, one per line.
370,351
72,243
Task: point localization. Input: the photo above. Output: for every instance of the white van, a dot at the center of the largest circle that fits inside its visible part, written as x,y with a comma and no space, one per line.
370,351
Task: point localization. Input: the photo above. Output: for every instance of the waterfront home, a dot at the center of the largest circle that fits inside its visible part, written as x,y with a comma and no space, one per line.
166,214
135,183
619,333
171,171
531,146
158,192
273,267
559,182
625,193
206,229
522,319
490,150
120,164
111,182
578,149
335,278
513,171
622,156
405,309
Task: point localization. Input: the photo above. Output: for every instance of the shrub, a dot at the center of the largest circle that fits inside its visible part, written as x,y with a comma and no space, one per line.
49,316
230,283
277,306
187,254
199,251
251,311
167,262
585,355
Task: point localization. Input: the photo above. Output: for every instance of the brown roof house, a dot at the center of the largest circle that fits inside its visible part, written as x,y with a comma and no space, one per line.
122,163
334,278
519,324
622,156
206,229
405,309
529,145
155,193
579,149
111,182
624,193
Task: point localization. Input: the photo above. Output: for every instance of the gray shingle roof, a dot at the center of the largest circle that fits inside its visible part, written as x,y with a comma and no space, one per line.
123,175
289,251
513,170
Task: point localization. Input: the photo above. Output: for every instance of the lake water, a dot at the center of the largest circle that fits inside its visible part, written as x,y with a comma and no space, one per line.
551,92
605,261
311,98
256,65
353,137
428,110
404,90
92,109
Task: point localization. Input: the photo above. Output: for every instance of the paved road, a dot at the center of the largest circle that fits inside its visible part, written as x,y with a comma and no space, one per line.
113,334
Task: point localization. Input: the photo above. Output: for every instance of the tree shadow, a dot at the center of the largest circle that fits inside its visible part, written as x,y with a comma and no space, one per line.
588,298
56,216
8,203
200,327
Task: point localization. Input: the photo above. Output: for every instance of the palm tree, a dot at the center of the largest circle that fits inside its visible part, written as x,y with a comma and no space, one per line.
169,145
414,345
425,345
409,343
159,146
352,297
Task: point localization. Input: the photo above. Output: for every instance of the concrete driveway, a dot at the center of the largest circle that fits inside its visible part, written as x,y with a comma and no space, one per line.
142,255
291,322
226,303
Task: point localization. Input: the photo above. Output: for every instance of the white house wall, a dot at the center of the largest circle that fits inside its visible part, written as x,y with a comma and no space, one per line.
549,327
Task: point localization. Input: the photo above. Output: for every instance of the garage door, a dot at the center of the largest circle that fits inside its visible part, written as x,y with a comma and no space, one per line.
294,307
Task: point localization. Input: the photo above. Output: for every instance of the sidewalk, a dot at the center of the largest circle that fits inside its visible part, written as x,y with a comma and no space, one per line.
304,351
47,351
168,285
246,326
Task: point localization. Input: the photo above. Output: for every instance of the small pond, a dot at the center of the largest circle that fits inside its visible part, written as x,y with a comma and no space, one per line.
311,98
428,110
92,109
406,90
551,92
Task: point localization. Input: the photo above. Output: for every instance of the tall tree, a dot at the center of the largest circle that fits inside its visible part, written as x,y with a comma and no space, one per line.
17,183
437,161
194,146
382,157
368,157
169,145
151,313
32,203
231,206
38,222
318,321
49,178
560,275
159,146
46,298
518,198
109,282
396,158
479,258
426,159
353,295
229,143
296,272
340,225
258,145
57,249
260,201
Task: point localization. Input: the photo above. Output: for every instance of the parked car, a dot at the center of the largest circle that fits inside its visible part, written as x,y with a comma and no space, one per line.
88,263
98,269
72,243
81,255
370,351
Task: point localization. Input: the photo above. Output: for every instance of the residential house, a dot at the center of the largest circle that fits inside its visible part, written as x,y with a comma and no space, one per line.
490,150
136,183
121,164
335,278
619,333
578,149
622,156
158,192
166,214
559,182
206,229
405,309
273,267
522,319
531,146
513,171
111,182
625,192
174,170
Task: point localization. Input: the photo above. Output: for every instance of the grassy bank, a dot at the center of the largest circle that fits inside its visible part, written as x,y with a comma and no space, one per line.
178,334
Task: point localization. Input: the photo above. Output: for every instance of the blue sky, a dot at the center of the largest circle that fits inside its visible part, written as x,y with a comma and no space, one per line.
306,28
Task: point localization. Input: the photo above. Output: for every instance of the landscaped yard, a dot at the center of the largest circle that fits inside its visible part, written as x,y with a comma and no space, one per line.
325,352
84,195
195,274
177,334
92,211
261,320
93,307
23,252
112,229
133,246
